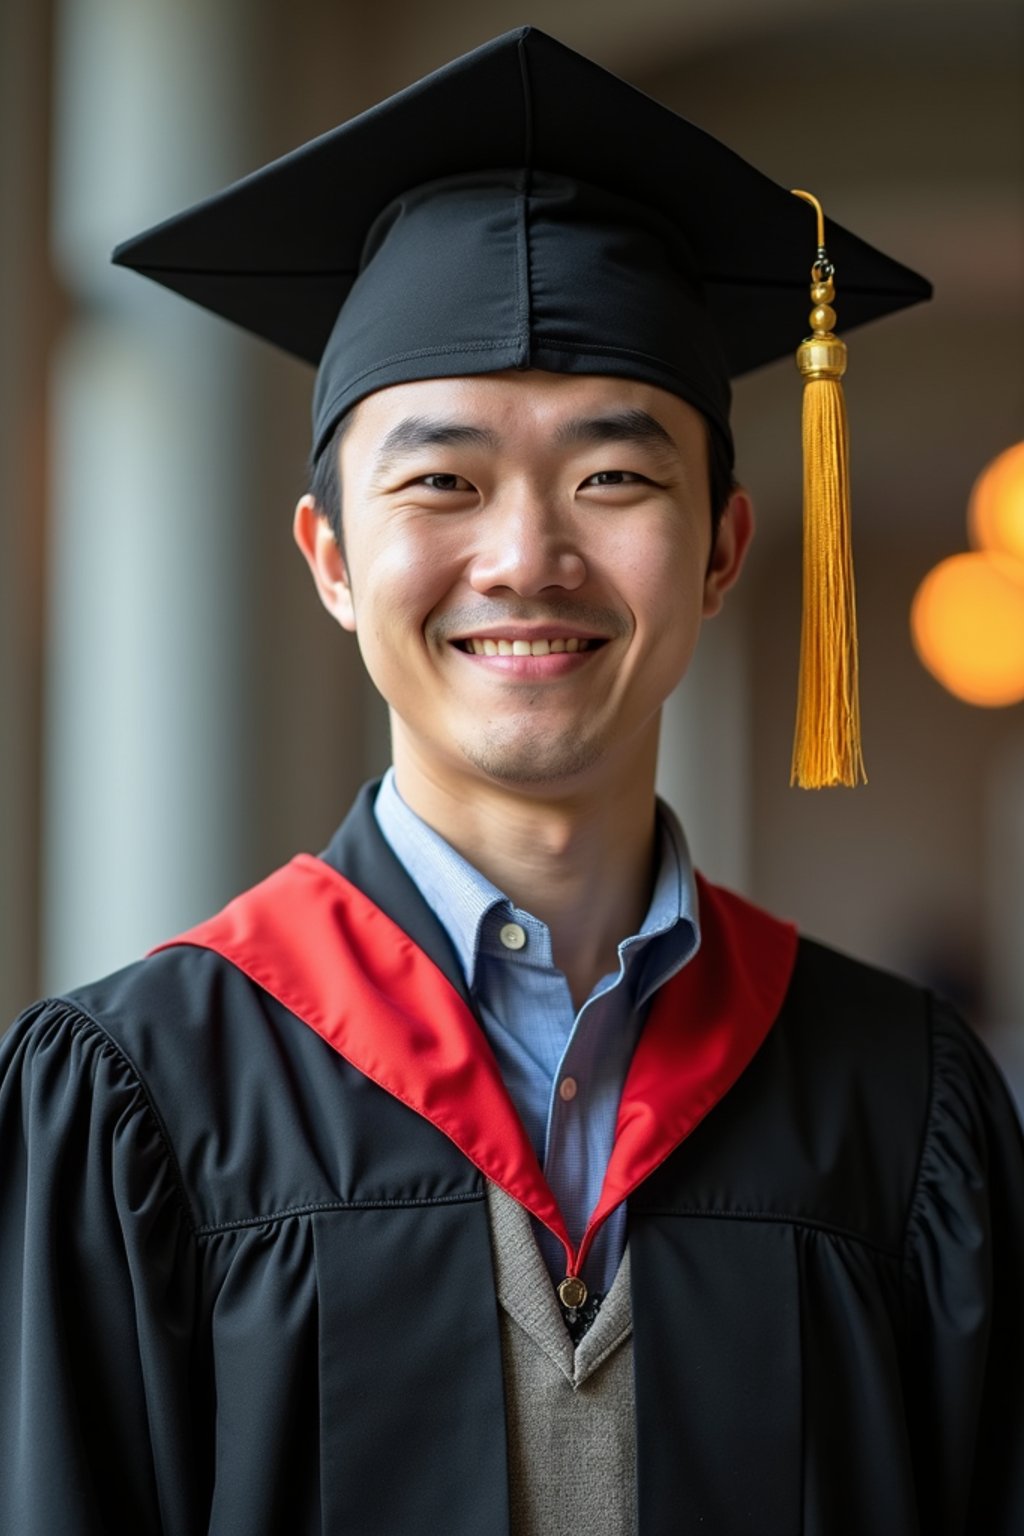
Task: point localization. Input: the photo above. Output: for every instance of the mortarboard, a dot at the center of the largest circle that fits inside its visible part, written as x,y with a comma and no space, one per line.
522,207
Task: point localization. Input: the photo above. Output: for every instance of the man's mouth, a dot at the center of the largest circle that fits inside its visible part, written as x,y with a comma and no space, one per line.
554,646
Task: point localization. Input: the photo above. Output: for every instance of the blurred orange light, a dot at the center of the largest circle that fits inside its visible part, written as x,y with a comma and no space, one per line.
967,622
995,513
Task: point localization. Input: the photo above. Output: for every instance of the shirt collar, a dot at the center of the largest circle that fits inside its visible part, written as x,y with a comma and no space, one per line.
462,898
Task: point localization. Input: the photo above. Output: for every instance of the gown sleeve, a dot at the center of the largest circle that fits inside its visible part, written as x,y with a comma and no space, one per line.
100,1386
964,1273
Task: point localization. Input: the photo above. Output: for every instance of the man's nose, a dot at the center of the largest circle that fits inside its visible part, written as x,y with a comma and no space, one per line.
527,546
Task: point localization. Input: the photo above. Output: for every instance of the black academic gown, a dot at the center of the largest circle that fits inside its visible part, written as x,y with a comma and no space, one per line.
248,1290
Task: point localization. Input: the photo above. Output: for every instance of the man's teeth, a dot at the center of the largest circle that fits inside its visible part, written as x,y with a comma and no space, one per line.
525,647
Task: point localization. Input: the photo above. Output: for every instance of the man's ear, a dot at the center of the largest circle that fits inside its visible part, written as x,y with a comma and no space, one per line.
735,531
312,533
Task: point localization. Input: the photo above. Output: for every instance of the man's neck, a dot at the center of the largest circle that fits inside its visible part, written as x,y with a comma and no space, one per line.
583,863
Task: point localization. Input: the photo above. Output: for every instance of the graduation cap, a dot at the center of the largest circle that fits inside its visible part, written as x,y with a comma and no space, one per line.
523,208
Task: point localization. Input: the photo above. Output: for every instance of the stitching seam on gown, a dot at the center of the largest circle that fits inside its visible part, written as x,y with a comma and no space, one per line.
779,1218
214,1228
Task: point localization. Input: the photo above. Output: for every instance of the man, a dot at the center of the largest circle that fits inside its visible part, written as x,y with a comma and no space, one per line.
491,1172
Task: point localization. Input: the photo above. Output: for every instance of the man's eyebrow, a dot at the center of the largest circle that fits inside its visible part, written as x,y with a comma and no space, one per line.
417,432
632,426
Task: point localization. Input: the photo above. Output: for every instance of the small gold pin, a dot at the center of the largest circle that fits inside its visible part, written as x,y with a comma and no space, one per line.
572,1292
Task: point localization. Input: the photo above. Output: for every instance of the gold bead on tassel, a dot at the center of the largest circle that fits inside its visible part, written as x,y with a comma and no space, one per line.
826,748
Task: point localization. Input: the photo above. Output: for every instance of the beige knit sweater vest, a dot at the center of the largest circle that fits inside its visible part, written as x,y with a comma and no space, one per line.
571,1413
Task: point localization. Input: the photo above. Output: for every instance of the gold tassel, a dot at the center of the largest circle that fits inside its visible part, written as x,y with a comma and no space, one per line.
827,745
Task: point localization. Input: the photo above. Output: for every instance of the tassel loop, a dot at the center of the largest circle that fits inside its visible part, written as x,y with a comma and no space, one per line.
827,744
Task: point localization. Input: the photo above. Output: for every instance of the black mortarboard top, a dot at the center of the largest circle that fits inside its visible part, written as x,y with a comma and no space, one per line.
519,207
523,208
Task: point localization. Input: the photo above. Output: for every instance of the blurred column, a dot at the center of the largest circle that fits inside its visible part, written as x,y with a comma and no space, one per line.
27,313
704,767
145,755
204,720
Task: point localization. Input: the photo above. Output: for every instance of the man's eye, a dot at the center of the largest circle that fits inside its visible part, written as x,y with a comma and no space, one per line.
440,482
616,477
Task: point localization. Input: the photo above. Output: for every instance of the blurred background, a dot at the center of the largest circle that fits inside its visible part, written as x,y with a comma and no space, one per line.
178,715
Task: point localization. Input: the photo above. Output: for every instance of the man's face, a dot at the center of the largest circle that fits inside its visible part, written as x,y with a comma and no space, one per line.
526,569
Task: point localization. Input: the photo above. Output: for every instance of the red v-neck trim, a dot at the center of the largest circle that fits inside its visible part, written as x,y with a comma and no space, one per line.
317,944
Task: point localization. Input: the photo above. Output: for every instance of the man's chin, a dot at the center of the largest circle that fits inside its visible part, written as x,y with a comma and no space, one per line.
533,763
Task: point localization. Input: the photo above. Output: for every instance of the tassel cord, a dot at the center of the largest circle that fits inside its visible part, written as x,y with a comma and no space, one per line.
827,747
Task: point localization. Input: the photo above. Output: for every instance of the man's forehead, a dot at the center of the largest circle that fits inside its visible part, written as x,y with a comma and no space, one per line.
497,405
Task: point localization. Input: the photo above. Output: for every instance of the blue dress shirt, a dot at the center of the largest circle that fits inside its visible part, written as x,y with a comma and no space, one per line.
564,1070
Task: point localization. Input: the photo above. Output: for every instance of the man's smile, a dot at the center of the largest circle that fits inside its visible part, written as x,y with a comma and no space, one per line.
510,633
529,660
500,645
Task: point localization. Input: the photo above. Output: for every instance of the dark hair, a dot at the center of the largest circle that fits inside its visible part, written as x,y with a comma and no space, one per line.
721,480
325,478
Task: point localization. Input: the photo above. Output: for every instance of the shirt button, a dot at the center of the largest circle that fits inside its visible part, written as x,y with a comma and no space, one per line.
567,1088
512,935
